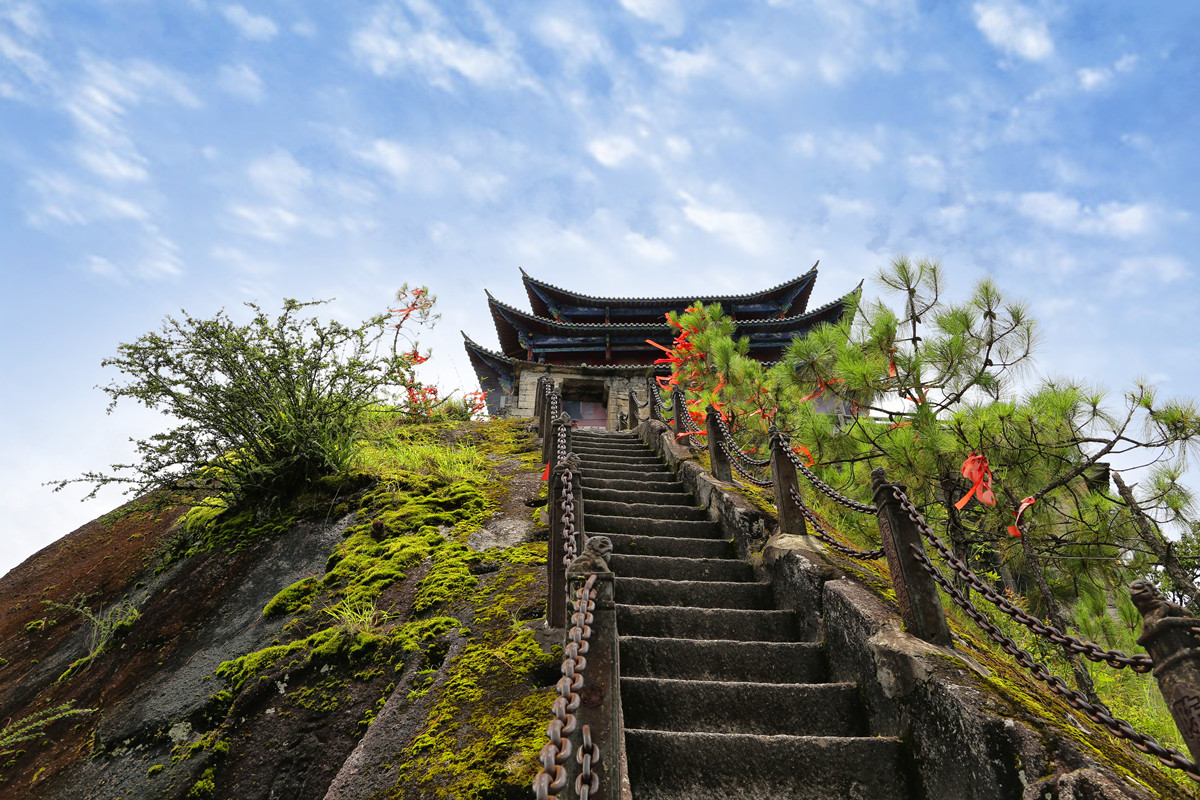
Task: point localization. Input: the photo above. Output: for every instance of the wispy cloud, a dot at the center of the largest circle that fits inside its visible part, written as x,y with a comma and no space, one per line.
1014,29
420,39
63,199
241,81
1093,78
98,103
742,229
257,27
22,68
666,13
1053,210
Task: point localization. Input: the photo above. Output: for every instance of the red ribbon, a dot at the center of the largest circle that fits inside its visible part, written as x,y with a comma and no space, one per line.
821,385
975,469
546,472
1015,530
802,449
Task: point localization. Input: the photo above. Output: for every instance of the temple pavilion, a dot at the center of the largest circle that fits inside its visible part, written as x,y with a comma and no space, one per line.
595,348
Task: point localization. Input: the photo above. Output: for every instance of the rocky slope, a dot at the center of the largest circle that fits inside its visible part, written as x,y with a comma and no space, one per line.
376,637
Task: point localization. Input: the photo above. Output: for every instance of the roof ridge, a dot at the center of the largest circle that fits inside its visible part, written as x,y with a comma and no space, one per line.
812,271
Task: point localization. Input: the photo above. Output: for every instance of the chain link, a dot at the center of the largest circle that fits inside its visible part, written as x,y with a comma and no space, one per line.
552,778
823,487
825,536
736,452
743,471
1116,659
567,504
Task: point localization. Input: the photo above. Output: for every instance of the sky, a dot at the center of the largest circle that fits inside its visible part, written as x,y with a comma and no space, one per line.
159,156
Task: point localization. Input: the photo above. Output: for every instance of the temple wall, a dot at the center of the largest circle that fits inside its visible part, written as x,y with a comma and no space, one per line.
615,388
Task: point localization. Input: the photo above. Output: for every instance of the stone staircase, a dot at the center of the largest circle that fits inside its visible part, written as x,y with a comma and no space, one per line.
721,698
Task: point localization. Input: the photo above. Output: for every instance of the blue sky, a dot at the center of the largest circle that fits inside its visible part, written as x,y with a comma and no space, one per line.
158,156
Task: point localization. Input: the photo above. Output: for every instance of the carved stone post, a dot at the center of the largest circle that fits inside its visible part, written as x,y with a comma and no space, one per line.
559,549
1171,640
783,475
678,410
553,401
600,698
634,421
717,459
655,408
539,398
916,593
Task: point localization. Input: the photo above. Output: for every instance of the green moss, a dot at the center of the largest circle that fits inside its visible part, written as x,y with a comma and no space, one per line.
154,770
292,599
205,787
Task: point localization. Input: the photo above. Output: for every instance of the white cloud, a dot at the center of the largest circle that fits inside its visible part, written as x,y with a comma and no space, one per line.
241,81
64,200
1057,211
666,13
280,177
390,156
744,230
420,39
252,26
269,223
655,250
98,105
1014,29
927,172
683,65
1093,78
850,149
613,151
1133,272
577,44
847,206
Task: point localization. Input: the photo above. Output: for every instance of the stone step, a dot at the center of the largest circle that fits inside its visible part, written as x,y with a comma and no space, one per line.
632,496
792,709
680,569
623,484
656,476
608,508
610,463
611,437
722,659
695,528
699,594
676,547
670,765
684,622
618,450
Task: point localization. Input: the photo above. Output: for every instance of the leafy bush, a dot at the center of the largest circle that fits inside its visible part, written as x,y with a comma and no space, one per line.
261,408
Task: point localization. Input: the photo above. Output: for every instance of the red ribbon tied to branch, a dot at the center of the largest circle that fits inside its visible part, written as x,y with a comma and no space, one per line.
799,448
1015,530
975,469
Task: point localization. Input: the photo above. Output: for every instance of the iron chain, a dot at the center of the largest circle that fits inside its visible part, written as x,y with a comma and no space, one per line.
827,538
823,487
1114,658
740,470
552,778
736,452
567,504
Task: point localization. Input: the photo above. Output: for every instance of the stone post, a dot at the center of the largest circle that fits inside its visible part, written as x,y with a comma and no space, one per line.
557,550
678,410
717,460
1169,636
553,400
783,475
634,421
600,698
916,593
539,398
655,408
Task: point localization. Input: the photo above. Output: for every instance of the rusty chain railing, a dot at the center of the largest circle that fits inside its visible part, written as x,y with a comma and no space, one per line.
824,535
552,778
1097,712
